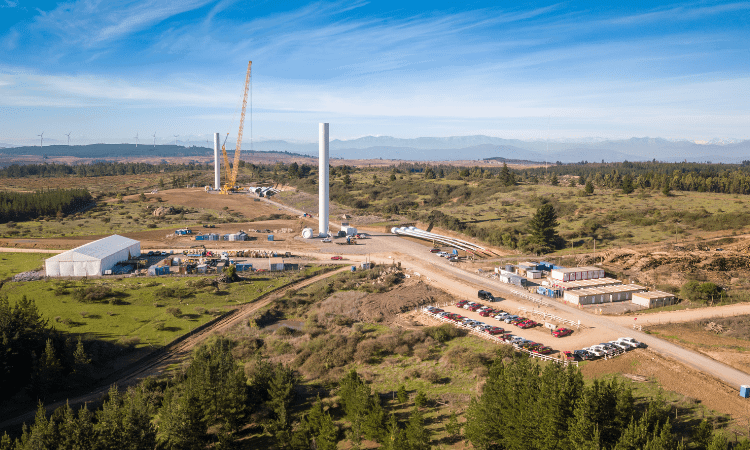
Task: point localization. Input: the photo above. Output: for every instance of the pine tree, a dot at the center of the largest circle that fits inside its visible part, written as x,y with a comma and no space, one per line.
281,394
5,442
220,388
74,432
327,438
453,428
417,434
627,185
702,435
181,422
395,436
48,370
553,181
542,226
80,358
401,394
589,188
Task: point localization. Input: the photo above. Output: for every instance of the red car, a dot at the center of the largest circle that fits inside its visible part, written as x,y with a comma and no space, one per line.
434,250
337,257
527,324
560,332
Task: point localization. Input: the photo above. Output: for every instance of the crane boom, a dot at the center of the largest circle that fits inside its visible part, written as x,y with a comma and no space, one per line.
236,167
231,180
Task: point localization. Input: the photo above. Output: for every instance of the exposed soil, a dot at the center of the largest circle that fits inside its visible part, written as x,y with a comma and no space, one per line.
676,377
383,307
674,265
722,347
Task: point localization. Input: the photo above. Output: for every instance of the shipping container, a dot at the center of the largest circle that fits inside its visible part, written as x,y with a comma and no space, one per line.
745,391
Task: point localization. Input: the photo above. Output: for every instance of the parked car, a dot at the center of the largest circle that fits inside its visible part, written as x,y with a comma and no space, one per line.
619,345
561,332
434,250
595,351
632,342
337,257
501,315
583,355
569,356
510,318
527,324
327,240
485,295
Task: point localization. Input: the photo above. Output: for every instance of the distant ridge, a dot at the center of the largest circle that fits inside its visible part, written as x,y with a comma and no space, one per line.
104,151
443,149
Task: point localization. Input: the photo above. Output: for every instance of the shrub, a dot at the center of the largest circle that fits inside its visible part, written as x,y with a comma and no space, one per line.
432,376
159,326
444,332
174,311
200,310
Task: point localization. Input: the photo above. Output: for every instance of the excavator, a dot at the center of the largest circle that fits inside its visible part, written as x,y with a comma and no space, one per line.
231,177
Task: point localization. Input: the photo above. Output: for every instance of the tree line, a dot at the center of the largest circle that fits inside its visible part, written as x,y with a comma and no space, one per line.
20,206
96,169
38,359
525,406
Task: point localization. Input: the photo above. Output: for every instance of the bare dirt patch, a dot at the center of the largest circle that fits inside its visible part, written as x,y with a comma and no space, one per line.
674,377
732,351
383,307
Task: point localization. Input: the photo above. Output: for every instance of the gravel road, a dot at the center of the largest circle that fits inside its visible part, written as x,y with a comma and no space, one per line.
458,281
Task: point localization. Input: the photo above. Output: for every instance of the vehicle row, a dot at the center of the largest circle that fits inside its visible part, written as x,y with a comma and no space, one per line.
495,331
606,349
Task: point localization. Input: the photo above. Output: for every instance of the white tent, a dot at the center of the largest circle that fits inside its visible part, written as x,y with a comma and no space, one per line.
93,258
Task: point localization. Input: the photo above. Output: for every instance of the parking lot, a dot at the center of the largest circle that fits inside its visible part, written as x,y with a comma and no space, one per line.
584,337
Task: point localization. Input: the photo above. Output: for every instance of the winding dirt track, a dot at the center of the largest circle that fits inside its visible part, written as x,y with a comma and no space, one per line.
156,362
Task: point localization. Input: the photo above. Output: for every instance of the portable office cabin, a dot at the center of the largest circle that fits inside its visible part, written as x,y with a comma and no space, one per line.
275,264
576,273
653,299
585,284
602,294
93,258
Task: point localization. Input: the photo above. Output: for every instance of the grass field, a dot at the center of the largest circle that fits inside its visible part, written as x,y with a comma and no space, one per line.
13,263
152,310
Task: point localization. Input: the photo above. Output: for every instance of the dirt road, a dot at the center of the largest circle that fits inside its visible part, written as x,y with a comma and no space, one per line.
174,353
684,315
453,279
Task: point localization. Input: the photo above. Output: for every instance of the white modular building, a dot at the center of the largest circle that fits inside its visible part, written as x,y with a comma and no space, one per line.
577,273
93,258
602,294
653,299
585,284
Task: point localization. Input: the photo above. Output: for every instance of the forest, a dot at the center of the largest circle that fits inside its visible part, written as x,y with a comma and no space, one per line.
20,206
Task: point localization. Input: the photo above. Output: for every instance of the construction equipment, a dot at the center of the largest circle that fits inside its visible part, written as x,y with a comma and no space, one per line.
231,180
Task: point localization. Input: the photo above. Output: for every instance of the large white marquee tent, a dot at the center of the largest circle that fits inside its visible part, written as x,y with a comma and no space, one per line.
93,258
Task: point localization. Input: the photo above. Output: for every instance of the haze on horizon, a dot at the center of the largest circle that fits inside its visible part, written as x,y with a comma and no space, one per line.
106,71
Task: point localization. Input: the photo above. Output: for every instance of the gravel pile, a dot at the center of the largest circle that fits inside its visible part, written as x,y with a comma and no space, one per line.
31,275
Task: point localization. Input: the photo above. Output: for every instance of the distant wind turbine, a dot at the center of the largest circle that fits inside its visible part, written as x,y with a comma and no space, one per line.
154,139
41,143
68,135
136,140
175,138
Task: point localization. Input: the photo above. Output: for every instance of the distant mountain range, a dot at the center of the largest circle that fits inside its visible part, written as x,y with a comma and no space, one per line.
444,149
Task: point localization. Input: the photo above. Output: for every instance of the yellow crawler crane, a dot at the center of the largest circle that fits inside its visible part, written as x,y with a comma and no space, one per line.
231,179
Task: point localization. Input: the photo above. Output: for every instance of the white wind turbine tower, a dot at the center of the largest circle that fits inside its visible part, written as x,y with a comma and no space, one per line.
68,135
154,139
41,142
175,138
136,140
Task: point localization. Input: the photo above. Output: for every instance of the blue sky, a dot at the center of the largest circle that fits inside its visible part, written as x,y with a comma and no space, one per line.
106,70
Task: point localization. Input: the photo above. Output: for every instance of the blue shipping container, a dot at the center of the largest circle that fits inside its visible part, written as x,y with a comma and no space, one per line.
270,237
745,391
